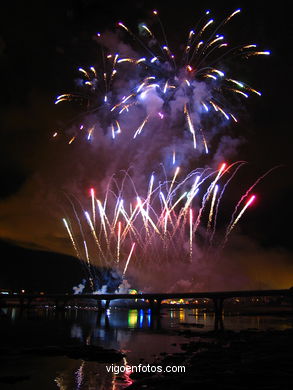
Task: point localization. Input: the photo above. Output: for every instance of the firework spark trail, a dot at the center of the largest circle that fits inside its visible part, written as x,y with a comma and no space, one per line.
190,197
179,200
171,228
139,130
190,125
145,215
212,207
165,212
221,172
207,195
118,241
164,85
129,221
93,205
247,204
172,183
118,209
166,222
234,219
174,157
248,192
192,192
88,218
241,163
204,141
150,191
103,218
91,271
190,233
155,12
128,259
155,102
71,237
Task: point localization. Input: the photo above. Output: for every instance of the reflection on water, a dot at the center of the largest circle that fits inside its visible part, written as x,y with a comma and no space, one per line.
141,334
90,375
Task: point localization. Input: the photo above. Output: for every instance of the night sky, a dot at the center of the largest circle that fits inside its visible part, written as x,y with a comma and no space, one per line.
42,45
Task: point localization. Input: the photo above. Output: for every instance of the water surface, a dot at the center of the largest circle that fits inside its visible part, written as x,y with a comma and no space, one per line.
140,334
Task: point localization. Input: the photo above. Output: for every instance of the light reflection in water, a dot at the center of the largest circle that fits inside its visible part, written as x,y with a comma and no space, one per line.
79,376
13,314
141,318
132,318
76,332
181,314
149,317
135,331
91,375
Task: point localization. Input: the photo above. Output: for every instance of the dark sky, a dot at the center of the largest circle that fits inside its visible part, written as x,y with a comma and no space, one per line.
42,43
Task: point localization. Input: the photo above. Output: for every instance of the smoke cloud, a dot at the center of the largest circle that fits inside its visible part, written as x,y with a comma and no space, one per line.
164,125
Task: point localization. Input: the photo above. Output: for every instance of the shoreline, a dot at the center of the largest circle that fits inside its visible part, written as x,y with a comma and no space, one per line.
248,359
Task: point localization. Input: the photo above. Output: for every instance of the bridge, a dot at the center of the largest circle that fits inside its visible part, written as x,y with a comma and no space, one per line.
154,299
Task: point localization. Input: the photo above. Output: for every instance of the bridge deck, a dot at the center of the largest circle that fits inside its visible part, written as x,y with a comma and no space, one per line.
158,296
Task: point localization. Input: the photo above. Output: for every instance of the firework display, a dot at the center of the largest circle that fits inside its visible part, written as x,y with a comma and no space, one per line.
144,98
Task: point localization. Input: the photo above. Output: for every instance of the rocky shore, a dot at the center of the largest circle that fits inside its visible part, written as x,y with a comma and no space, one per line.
84,352
227,360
